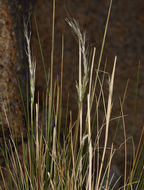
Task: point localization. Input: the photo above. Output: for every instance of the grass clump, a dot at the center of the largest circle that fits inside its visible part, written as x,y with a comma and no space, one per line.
50,158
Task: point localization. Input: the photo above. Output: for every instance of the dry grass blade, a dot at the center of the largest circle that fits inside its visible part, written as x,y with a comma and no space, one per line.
90,145
109,107
37,137
109,167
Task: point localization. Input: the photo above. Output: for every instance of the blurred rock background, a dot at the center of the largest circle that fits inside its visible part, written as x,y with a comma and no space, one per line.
13,68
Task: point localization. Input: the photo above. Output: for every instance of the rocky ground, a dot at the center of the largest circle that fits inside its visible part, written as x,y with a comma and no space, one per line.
125,38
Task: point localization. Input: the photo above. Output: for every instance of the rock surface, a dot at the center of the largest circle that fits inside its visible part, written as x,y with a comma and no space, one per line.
13,68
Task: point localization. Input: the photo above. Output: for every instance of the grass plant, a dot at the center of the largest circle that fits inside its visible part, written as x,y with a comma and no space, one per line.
53,159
